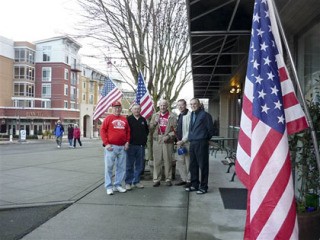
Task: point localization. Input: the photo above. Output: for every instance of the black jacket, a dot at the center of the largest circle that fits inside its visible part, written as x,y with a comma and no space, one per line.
202,128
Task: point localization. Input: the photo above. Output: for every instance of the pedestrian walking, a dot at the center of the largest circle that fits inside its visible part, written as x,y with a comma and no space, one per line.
200,132
139,131
76,136
115,136
163,125
70,135
58,132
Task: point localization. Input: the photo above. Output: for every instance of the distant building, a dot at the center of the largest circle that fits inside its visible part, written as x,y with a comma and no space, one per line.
44,81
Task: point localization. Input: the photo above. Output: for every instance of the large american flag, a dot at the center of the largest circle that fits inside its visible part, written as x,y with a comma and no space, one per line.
270,112
108,95
143,98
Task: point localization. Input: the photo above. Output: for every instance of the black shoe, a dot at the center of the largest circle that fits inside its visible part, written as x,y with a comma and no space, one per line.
188,184
168,183
201,191
191,189
180,183
156,184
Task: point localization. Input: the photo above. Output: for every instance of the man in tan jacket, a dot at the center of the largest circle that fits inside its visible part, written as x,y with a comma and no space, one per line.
163,125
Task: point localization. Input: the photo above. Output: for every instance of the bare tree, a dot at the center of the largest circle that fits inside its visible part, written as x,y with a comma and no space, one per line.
151,35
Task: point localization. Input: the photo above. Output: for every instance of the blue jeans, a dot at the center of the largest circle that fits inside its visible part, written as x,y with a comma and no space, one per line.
134,163
70,141
118,158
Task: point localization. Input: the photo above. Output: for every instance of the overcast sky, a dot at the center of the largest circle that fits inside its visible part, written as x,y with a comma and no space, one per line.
32,20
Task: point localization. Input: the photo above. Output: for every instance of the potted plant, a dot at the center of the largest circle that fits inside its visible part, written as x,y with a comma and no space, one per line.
307,176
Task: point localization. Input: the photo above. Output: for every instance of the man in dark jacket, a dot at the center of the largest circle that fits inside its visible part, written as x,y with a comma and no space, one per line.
139,131
200,132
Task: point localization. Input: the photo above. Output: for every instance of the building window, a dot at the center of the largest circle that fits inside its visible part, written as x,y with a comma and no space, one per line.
24,72
65,105
67,59
19,72
46,104
91,86
73,78
66,74
46,53
30,73
19,89
91,99
46,90
46,74
84,84
72,105
24,55
83,97
73,93
66,90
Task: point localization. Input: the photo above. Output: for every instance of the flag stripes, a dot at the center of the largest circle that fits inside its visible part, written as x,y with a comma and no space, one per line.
270,112
109,94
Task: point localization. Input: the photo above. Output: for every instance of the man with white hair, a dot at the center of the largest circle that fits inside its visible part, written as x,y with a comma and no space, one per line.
163,125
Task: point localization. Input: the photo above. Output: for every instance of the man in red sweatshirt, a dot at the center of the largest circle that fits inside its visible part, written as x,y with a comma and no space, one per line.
115,135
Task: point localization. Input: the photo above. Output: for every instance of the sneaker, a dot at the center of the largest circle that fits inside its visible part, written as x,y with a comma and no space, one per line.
201,191
128,187
168,183
109,191
138,185
58,146
119,189
191,189
156,184
188,184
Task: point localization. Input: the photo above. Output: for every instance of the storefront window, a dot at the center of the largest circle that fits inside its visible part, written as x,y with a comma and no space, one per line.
309,62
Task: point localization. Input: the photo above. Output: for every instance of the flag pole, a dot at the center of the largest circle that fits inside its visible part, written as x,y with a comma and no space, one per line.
313,133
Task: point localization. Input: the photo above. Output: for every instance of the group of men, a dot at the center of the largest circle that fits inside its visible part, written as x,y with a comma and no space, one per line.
124,140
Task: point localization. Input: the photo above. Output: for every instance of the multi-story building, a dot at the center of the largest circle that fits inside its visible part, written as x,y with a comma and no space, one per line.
39,84
44,81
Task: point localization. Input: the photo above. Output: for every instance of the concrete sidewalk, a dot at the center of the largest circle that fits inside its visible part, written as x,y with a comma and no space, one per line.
52,176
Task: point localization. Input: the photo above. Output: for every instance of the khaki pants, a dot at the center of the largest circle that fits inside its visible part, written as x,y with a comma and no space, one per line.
183,163
162,156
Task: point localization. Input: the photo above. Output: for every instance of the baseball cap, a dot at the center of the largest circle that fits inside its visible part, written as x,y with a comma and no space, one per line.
116,103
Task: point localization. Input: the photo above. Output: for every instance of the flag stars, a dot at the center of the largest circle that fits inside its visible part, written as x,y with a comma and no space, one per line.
256,18
263,46
267,61
281,119
278,105
270,76
274,90
255,64
261,94
265,108
258,79
260,32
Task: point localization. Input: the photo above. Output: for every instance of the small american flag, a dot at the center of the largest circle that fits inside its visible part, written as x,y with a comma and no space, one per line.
270,112
143,98
108,95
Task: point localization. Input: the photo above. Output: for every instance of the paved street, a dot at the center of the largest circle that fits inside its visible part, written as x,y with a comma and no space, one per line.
36,174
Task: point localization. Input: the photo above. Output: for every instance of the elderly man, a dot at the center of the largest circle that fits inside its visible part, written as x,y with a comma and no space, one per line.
183,160
139,131
163,125
115,135
200,132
